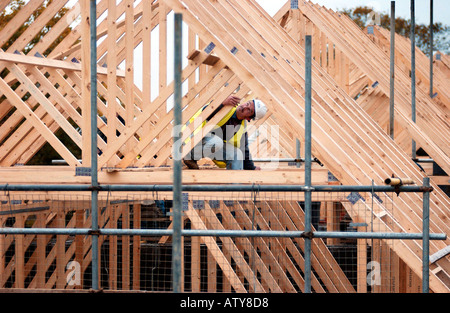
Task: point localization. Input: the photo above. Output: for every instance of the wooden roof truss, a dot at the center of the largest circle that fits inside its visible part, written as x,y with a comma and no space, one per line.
233,47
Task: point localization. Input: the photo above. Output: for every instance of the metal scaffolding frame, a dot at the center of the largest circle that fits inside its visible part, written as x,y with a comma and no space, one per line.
177,232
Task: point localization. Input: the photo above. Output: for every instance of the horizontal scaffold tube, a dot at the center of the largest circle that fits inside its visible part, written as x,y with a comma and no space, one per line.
206,188
214,232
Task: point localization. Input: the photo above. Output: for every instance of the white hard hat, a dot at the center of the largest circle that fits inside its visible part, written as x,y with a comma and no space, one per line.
260,109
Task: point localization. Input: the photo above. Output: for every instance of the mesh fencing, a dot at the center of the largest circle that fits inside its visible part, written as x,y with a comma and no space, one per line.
209,264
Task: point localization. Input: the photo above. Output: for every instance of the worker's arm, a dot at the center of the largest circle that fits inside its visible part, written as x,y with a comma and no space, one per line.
231,101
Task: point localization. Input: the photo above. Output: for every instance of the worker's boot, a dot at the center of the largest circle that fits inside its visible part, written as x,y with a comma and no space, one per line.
191,164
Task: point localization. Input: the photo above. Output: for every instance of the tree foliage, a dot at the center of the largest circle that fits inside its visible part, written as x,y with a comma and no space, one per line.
441,33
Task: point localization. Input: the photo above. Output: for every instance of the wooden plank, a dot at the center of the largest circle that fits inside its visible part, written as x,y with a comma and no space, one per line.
195,264
79,242
112,243
403,56
146,114
147,56
45,62
249,246
278,257
322,257
222,79
402,102
125,249
112,68
136,248
190,108
38,23
332,216
211,267
210,60
68,176
55,31
40,254
37,123
277,219
25,143
192,46
56,115
22,16
229,245
129,61
85,77
60,252
214,249
19,254
361,246
394,272
163,70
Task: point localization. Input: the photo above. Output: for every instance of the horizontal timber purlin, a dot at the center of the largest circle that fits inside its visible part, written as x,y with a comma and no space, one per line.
48,63
275,77
55,175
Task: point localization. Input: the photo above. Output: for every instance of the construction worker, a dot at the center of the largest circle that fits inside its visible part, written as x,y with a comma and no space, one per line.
227,143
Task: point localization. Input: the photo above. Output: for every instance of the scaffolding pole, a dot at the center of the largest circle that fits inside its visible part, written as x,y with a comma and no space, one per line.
392,72
308,206
94,155
426,239
431,48
413,72
224,188
218,233
177,183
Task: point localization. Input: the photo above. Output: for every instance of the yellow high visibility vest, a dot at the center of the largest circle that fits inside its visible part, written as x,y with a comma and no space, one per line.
235,140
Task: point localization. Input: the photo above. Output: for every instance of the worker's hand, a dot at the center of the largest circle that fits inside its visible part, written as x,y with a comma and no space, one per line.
232,101
257,168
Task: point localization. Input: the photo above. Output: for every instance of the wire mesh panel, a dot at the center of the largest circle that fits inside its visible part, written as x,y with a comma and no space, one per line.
210,263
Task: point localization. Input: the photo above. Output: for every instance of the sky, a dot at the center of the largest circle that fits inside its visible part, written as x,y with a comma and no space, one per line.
441,8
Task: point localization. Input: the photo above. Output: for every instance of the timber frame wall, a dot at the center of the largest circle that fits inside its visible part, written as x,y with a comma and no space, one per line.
233,47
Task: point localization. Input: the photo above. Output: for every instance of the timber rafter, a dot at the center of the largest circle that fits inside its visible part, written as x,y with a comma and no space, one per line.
233,47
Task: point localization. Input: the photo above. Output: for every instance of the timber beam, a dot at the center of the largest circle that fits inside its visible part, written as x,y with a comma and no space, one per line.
67,175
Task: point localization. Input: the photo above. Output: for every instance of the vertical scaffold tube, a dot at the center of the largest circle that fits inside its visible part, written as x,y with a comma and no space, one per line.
94,178
431,48
308,162
413,72
177,183
426,237
392,72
